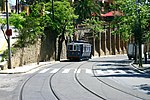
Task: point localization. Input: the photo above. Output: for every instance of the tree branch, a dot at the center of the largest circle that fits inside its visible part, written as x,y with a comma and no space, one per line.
2,28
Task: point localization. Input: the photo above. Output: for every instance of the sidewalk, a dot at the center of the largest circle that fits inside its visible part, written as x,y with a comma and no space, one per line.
25,68
144,69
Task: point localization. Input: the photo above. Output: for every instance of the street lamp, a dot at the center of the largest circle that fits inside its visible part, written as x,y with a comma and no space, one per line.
8,41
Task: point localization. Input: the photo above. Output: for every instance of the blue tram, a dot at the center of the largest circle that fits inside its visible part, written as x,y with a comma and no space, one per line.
78,50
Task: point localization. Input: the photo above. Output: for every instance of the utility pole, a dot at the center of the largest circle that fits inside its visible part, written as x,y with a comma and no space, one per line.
17,6
9,49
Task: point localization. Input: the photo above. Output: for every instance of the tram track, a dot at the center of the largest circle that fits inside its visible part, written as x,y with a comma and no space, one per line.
113,87
85,87
77,80
103,82
51,76
50,82
25,82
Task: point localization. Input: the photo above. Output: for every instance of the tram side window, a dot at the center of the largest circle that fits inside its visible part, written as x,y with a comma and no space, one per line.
88,49
78,47
81,48
84,49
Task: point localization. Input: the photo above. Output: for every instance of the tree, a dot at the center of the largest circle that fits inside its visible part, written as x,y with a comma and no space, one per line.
85,8
95,26
134,22
17,20
31,2
63,21
1,3
30,28
128,22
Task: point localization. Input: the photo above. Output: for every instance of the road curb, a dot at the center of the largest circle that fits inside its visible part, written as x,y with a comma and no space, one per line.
141,70
21,70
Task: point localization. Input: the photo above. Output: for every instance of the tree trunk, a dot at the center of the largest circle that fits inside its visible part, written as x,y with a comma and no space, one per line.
60,41
93,44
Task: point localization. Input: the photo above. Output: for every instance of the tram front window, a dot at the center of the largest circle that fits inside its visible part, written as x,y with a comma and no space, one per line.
70,47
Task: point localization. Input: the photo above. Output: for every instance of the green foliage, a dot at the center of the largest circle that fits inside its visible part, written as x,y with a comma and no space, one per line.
2,21
5,54
32,2
135,16
17,20
85,8
94,25
30,27
63,17
1,2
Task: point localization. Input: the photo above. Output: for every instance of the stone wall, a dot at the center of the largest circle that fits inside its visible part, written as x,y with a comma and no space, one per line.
26,55
105,44
40,51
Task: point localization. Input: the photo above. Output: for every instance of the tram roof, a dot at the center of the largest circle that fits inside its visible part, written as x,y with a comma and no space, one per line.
79,43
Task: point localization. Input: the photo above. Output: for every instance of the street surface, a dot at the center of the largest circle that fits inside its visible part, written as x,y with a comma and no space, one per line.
104,78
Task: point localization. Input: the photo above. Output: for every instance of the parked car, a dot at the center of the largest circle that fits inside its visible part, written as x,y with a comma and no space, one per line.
131,51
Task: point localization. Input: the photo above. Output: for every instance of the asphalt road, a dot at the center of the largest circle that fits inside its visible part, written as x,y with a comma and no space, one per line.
104,78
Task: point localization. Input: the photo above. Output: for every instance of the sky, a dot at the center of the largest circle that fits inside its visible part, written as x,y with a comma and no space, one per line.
12,2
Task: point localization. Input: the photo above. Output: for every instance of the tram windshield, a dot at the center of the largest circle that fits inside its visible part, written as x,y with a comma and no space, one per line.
73,47
70,47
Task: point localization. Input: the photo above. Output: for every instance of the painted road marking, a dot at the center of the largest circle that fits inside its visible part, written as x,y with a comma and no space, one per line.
54,70
109,72
45,70
34,70
100,72
66,71
122,72
89,71
77,71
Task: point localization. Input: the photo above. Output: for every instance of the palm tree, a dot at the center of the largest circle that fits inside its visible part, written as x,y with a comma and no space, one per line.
85,8
30,2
